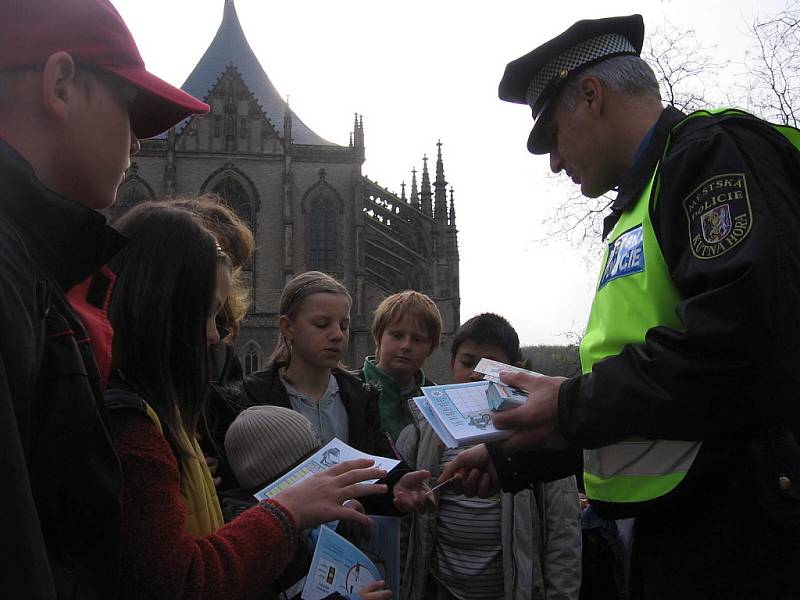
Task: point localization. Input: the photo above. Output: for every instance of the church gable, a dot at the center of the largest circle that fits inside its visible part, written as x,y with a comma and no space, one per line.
236,123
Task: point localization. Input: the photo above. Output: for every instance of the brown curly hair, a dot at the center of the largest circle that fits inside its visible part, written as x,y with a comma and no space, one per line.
237,241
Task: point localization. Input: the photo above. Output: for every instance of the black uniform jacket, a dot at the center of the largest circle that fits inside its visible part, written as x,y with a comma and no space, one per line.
736,365
60,514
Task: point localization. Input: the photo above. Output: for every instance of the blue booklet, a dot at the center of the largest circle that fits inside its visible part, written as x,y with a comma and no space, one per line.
338,566
460,413
383,549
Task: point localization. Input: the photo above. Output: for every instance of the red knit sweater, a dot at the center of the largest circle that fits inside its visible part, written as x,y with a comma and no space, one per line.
160,560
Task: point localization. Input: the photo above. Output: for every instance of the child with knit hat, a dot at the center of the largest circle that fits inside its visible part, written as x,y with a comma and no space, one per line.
263,443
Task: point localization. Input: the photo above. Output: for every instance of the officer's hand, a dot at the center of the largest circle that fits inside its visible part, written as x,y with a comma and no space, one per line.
472,473
536,421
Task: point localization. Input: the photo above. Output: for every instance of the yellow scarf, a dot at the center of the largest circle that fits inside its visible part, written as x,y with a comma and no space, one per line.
204,515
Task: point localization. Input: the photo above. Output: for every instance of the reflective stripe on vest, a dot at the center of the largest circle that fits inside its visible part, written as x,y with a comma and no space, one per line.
634,294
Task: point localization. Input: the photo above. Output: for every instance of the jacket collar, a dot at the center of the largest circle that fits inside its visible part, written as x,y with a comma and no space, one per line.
637,176
374,373
265,386
67,239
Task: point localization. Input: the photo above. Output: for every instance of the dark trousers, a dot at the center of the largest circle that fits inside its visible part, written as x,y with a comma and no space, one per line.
721,548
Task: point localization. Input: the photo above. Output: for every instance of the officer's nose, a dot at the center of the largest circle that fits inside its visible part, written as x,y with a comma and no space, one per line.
556,162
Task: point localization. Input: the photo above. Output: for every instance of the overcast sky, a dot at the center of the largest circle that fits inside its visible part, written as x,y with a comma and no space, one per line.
419,71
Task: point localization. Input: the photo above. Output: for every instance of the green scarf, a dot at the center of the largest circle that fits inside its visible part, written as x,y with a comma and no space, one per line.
392,404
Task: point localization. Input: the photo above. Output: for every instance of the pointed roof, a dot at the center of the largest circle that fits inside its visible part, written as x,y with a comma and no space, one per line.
230,47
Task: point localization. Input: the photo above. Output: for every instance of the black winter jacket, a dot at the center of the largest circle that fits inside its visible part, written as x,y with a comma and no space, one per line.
361,402
60,514
359,399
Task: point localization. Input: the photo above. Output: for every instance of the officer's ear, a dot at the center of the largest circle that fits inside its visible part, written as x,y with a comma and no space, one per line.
590,94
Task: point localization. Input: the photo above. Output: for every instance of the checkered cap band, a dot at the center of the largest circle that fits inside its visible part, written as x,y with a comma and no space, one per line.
577,56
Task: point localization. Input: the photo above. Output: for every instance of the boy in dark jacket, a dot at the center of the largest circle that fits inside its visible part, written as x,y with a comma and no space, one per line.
74,100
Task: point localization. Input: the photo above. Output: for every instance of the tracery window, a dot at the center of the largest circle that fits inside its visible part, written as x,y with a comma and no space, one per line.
237,197
131,195
251,361
322,236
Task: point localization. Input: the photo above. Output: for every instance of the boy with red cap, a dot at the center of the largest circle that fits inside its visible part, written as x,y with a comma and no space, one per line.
75,99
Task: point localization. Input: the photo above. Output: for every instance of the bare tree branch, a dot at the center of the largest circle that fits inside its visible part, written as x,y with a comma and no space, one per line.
773,87
682,66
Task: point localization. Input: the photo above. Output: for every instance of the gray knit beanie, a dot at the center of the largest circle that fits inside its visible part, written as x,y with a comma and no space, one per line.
264,441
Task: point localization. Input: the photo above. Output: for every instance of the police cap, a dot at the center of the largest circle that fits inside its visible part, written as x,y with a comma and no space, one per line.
535,79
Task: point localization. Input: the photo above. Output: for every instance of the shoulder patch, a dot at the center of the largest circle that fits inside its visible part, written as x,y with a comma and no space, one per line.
718,214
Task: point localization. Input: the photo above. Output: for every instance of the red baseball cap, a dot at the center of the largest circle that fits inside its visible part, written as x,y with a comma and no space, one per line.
94,34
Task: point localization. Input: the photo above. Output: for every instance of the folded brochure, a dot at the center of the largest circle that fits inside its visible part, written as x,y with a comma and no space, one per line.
338,566
332,453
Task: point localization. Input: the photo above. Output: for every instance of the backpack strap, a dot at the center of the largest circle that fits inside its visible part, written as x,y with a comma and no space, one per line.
119,399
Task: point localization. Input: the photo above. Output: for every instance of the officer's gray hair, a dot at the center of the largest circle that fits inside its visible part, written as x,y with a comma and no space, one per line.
628,75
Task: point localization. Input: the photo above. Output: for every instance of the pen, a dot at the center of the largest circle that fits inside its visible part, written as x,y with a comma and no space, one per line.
392,447
436,487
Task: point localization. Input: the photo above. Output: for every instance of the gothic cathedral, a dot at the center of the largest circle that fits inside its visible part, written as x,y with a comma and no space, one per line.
305,198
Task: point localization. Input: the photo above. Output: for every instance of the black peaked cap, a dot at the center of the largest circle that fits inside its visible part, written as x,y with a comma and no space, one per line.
535,78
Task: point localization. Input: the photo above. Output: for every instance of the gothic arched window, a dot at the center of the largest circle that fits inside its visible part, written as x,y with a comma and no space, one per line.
323,236
131,193
131,196
251,361
238,199
236,196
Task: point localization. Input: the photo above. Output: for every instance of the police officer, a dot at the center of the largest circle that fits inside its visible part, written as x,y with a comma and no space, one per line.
687,406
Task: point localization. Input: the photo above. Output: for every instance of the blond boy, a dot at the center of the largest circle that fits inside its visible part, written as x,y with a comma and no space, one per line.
407,328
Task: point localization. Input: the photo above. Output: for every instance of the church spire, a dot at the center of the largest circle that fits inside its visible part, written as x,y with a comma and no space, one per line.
403,191
452,222
414,191
425,197
440,185
439,164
